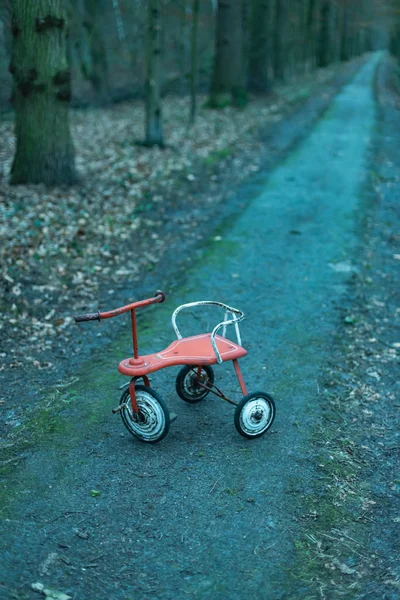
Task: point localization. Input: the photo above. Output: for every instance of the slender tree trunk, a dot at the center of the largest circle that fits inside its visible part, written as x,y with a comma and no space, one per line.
344,45
78,42
279,59
228,86
259,47
42,90
310,34
154,133
98,68
394,41
183,46
193,61
324,41
246,28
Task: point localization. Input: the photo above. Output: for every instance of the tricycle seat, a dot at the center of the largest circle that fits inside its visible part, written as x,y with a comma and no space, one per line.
195,350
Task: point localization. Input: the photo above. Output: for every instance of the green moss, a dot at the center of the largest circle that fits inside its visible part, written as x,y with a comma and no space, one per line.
215,157
333,506
219,101
239,97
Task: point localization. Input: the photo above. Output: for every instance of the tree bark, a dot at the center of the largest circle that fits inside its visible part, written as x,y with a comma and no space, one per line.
228,81
344,44
324,41
98,71
154,132
193,61
279,61
310,35
259,47
42,90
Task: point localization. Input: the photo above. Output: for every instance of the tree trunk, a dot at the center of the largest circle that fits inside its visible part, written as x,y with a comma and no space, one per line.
183,46
344,44
228,86
310,35
324,41
98,73
42,91
78,42
259,47
193,61
154,134
279,61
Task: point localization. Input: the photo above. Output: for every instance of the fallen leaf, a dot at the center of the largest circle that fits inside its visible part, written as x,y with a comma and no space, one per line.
49,593
345,569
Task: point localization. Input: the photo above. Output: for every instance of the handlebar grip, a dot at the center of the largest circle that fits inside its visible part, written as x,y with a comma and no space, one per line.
88,317
160,293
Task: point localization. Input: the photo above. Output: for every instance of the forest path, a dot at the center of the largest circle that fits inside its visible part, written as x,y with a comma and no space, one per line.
205,513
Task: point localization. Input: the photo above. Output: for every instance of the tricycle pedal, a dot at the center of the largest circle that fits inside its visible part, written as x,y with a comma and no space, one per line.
172,417
119,408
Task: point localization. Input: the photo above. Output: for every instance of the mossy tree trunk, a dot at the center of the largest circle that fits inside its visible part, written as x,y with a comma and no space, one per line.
42,90
154,132
258,80
228,80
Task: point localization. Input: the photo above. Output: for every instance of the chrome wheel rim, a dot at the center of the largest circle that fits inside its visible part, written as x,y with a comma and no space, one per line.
150,423
256,416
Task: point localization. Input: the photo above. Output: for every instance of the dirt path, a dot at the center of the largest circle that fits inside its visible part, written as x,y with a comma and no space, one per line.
204,514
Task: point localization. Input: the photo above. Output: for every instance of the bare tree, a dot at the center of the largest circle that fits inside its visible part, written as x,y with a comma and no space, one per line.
324,39
278,54
228,80
193,60
258,80
98,68
154,132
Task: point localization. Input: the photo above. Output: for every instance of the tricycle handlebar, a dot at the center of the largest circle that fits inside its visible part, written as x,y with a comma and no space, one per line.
159,296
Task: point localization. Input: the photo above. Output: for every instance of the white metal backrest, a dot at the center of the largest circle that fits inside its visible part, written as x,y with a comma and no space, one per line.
227,321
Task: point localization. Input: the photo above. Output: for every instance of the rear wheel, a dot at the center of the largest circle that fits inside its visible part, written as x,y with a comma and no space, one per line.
254,414
190,383
151,424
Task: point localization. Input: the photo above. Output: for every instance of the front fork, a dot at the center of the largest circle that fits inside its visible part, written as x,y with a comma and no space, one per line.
132,393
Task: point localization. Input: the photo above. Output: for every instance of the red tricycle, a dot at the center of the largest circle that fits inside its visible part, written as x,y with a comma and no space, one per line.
145,413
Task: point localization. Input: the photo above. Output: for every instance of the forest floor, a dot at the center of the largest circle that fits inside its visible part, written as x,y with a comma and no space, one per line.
308,246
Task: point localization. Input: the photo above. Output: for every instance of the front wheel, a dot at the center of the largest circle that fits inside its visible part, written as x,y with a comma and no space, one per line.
254,414
151,424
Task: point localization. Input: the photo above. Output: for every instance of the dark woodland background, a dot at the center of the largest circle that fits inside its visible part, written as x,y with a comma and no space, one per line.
94,52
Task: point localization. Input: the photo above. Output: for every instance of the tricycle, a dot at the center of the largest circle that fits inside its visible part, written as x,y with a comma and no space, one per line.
144,412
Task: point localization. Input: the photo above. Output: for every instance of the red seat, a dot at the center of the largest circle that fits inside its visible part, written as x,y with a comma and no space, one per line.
195,350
